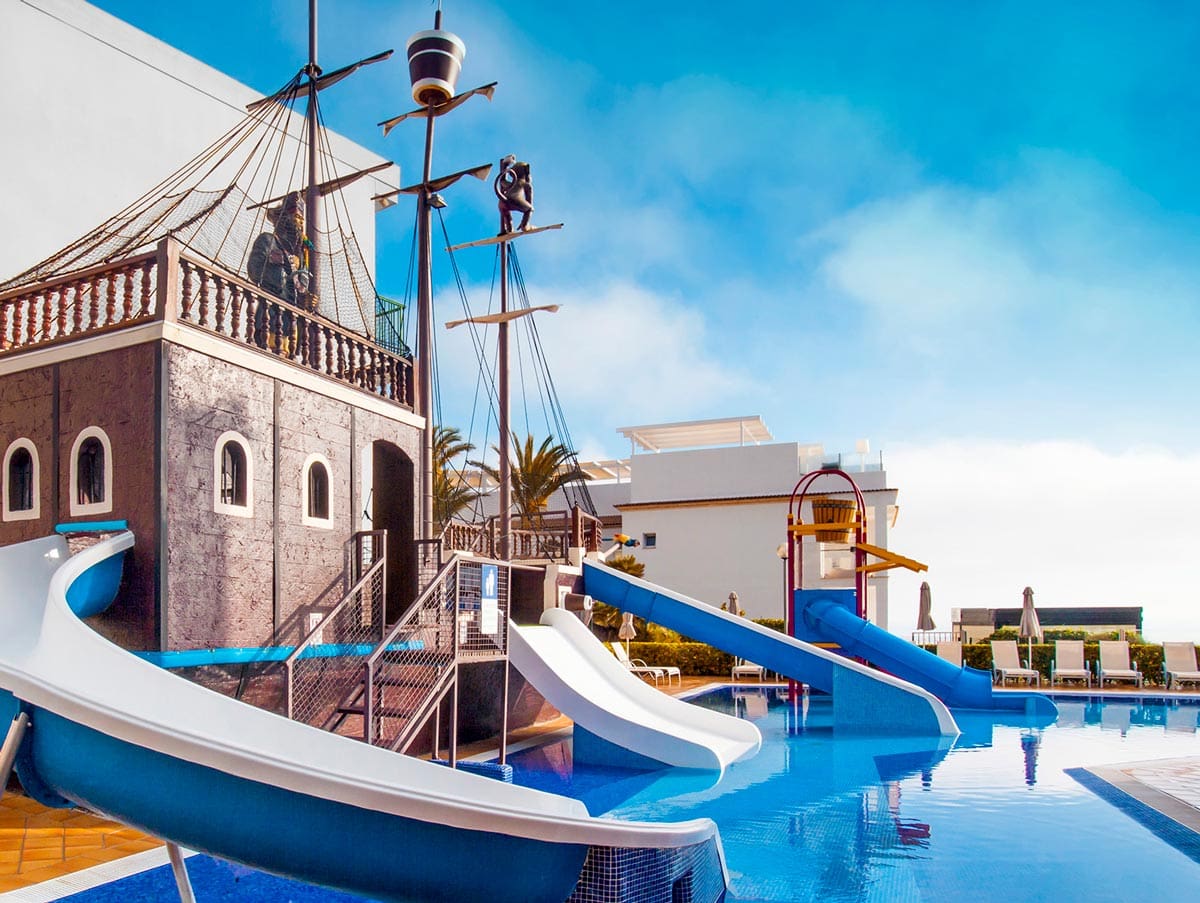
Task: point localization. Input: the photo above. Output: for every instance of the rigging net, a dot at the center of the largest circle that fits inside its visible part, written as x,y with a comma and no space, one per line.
217,203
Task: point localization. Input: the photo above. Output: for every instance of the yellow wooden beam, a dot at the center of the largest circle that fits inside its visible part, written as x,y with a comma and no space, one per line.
896,560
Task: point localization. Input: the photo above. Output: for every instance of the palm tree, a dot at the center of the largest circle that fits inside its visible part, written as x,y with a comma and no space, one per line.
537,474
450,495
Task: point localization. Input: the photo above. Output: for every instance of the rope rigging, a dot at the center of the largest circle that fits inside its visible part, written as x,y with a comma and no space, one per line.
219,201
531,365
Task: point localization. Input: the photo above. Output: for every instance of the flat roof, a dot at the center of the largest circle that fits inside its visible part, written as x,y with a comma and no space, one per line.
610,469
698,433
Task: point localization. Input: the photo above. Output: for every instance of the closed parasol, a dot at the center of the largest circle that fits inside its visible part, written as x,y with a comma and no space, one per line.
925,611
627,631
1031,628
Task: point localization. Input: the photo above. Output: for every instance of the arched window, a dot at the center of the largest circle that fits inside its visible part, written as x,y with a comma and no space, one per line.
89,469
233,476
314,491
22,481
91,473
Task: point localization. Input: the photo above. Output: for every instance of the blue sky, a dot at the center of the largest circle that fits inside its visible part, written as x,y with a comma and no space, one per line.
958,229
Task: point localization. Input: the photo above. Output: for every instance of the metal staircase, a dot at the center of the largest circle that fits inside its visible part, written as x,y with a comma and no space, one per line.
356,676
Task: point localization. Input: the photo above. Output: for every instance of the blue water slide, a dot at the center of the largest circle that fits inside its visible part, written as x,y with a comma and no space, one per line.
116,734
826,618
863,699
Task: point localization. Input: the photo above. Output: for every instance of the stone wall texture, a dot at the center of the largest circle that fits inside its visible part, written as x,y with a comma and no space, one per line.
230,580
114,391
253,581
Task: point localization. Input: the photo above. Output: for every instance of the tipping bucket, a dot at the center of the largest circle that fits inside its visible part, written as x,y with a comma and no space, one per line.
434,61
836,512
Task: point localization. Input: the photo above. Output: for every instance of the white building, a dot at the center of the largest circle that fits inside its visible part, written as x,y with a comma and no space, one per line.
96,113
708,503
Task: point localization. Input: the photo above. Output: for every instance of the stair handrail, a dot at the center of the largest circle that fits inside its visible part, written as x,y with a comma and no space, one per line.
413,610
404,622
379,564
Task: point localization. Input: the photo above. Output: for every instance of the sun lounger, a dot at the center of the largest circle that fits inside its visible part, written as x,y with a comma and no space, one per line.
1179,664
1068,662
640,668
1006,664
951,652
743,668
1114,663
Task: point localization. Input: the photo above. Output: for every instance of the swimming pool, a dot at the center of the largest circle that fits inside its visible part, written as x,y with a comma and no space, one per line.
991,816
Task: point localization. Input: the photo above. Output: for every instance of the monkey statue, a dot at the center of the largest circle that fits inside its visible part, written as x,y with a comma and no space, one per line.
514,190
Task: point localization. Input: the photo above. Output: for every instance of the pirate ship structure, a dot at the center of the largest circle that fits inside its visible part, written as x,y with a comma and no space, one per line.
213,368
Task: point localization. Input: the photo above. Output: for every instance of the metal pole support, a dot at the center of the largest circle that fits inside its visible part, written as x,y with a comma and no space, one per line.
12,743
182,882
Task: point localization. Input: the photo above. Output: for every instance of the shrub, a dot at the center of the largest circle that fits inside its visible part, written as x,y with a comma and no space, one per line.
689,658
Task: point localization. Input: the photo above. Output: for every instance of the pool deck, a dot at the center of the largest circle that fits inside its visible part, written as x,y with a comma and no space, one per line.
1170,787
54,847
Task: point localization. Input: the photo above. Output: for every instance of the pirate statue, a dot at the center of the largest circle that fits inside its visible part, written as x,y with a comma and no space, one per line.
278,260
514,190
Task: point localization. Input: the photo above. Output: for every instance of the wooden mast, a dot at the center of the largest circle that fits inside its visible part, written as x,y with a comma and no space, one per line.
312,194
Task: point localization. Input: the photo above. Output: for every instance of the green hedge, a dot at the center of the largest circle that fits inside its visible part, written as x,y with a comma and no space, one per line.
1149,658
689,658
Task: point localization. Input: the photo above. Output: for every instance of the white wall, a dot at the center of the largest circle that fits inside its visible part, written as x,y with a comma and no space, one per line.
95,113
705,552
704,473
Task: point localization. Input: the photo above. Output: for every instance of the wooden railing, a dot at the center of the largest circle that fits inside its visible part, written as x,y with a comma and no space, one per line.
551,537
129,292
92,301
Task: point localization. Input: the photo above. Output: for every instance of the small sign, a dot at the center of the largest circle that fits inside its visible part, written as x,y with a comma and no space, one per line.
489,597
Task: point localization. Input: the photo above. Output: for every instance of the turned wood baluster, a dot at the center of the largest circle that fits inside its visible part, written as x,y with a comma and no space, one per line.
300,352
149,284
44,331
90,301
60,325
235,315
341,355
274,328
252,336
185,290
327,347
204,280
127,291
18,309
222,305
110,299
5,310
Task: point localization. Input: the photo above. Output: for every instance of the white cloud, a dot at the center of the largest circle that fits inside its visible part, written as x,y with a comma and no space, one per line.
1062,249
618,354
1079,524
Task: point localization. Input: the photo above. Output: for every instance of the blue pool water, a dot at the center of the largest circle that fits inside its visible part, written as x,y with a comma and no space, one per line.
991,816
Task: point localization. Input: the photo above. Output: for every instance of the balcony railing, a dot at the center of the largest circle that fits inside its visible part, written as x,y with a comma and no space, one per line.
131,292
549,539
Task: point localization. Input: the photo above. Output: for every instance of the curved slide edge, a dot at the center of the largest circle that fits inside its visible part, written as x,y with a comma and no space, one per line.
149,748
960,687
863,699
584,681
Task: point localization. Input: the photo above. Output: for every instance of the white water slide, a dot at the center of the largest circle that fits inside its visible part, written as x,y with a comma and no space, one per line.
583,680
125,738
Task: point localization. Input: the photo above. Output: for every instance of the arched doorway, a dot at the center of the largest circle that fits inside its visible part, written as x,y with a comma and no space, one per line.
393,493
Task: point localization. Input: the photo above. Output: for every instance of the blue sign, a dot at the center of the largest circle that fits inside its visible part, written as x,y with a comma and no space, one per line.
489,597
